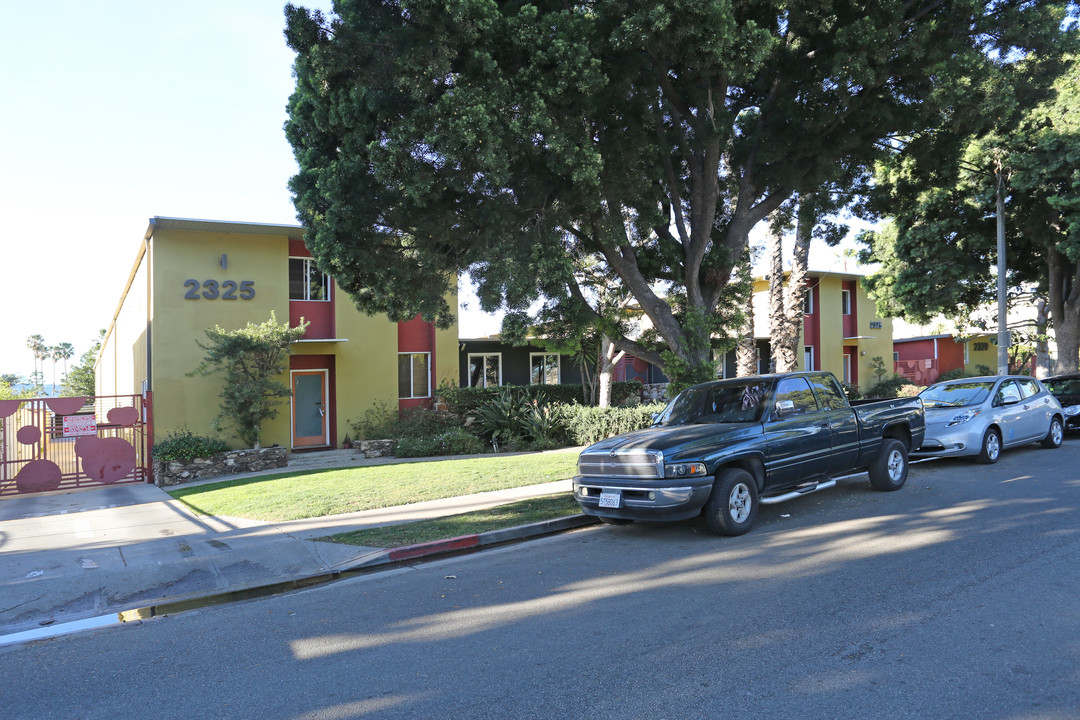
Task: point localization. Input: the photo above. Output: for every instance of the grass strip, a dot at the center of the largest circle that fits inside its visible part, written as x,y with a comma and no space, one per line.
521,512
317,493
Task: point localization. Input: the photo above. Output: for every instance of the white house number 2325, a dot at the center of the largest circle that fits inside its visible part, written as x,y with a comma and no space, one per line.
225,290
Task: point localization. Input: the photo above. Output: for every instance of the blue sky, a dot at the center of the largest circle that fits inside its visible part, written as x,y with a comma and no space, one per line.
114,112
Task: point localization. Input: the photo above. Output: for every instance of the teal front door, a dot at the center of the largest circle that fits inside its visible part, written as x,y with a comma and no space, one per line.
309,411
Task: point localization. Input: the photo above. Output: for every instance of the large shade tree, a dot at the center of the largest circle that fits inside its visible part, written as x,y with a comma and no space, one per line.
939,254
522,141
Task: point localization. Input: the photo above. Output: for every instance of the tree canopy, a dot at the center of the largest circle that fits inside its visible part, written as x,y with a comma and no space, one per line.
937,254
524,141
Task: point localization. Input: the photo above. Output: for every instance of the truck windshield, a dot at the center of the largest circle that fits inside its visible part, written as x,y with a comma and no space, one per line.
737,402
956,394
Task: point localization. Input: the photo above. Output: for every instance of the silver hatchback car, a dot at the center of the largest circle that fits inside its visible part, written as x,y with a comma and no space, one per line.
981,416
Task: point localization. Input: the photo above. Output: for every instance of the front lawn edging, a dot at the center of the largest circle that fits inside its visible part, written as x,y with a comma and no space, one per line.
232,462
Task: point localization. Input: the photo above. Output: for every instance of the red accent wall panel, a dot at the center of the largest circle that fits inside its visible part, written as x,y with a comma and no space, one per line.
812,324
415,336
851,322
319,314
297,248
914,350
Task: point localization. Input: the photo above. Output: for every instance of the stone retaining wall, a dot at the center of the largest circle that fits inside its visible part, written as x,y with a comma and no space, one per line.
654,393
227,463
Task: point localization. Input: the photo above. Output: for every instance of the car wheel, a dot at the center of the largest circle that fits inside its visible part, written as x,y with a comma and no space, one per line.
1054,436
733,505
991,447
615,521
890,469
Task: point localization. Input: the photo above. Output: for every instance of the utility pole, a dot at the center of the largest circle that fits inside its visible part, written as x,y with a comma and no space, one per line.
1003,332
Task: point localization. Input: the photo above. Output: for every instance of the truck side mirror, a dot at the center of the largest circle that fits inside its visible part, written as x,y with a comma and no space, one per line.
785,407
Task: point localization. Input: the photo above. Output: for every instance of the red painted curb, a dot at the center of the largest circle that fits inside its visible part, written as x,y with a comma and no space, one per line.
435,546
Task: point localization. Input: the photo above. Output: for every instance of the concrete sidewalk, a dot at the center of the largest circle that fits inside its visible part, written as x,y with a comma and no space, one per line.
82,554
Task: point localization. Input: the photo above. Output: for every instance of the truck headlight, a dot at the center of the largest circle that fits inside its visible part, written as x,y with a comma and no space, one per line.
691,469
962,418
1072,410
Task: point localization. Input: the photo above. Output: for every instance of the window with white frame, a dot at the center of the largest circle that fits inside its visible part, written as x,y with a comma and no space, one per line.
414,373
808,302
543,368
845,302
485,369
306,282
808,357
847,368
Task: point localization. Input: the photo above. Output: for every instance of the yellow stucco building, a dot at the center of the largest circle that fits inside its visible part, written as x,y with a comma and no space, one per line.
190,275
842,331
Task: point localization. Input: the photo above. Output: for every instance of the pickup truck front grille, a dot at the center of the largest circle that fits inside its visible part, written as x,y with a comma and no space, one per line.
633,464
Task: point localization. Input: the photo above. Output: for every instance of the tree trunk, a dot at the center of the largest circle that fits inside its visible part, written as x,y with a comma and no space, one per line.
746,360
776,296
1042,346
1065,310
784,329
608,358
795,299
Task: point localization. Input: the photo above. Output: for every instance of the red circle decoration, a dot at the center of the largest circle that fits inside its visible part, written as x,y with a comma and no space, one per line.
123,416
65,406
106,460
8,407
38,476
28,434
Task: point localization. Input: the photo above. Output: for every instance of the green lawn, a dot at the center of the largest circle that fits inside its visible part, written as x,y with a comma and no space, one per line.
522,512
296,495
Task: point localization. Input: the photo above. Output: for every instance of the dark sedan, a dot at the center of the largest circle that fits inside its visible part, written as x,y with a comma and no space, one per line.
1066,388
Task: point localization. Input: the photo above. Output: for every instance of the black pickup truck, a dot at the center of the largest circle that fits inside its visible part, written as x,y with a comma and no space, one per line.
724,447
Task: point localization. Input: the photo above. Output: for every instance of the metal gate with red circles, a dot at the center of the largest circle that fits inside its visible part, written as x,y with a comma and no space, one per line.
66,443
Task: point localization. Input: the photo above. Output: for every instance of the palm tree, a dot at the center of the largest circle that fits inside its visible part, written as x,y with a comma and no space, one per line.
36,343
63,351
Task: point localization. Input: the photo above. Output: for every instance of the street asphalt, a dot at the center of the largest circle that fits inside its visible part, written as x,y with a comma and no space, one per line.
88,558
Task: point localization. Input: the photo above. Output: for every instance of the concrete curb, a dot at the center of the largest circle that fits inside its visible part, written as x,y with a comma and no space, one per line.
465,542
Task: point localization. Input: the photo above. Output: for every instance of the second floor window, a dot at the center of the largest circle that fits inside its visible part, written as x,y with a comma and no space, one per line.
306,282
845,302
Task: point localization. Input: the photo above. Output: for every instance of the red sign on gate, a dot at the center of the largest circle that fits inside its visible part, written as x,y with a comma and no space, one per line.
76,425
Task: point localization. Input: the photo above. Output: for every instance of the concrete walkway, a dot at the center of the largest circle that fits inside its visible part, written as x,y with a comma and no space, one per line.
84,554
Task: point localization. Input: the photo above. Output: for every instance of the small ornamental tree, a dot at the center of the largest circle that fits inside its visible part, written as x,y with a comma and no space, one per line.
252,358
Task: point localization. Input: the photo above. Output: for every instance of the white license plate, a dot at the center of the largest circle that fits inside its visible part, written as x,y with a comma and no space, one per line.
610,499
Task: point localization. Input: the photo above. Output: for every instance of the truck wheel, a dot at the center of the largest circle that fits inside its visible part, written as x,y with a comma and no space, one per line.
991,448
889,470
1054,435
733,505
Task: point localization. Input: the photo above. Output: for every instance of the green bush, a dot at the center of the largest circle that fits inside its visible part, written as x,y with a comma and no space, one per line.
186,445
464,402
457,441
377,422
852,391
587,425
888,388
421,422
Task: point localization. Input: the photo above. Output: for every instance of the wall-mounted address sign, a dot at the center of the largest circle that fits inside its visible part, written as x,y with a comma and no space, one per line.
226,290
875,324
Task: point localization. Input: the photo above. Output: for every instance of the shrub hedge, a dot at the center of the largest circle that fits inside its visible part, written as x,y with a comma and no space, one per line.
587,425
464,401
186,445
